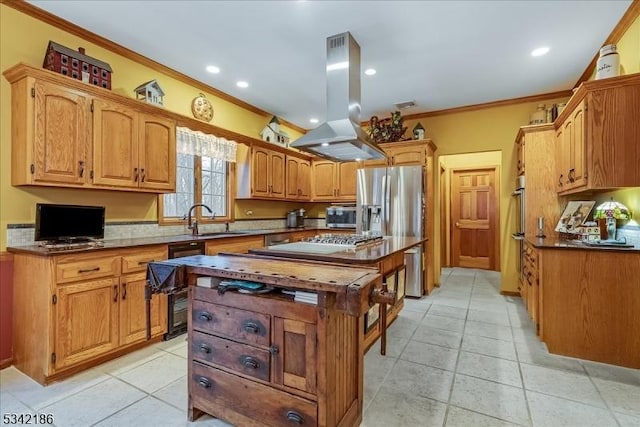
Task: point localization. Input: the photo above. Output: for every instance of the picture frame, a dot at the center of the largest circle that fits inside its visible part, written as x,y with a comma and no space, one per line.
574,215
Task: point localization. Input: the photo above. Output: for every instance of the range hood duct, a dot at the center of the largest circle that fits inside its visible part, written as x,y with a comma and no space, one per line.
340,138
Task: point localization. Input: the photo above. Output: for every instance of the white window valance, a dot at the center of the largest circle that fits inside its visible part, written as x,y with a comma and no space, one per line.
202,144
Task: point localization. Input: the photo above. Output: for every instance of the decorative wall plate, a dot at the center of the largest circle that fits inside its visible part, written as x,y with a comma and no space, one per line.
202,108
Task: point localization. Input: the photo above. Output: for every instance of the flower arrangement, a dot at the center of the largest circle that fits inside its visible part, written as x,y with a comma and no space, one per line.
386,130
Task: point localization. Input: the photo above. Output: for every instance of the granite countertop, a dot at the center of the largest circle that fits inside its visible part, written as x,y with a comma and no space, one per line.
364,255
555,243
154,240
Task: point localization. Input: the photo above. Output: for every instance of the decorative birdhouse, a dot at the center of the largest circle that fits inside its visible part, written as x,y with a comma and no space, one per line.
150,92
272,133
418,132
77,65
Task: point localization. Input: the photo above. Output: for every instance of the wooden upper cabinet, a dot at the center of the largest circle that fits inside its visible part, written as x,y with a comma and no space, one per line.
334,181
520,156
346,180
157,153
323,172
298,178
404,153
69,134
598,140
50,133
115,145
267,173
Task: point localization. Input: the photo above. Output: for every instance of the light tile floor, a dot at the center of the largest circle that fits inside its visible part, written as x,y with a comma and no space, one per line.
464,356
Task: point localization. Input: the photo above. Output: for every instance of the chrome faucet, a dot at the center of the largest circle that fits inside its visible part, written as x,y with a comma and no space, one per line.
192,224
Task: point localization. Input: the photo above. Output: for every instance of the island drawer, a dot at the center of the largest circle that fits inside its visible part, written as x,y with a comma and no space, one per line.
242,358
241,325
219,393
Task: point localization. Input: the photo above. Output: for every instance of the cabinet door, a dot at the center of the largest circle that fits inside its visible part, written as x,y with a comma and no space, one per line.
577,168
62,135
276,174
260,184
562,160
406,156
304,180
86,324
294,364
157,153
293,176
323,180
520,153
347,180
115,145
133,315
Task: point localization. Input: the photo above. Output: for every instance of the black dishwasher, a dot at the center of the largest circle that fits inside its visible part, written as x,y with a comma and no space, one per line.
177,316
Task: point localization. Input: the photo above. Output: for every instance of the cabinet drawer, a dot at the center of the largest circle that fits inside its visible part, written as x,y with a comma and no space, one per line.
137,261
229,354
219,393
241,325
87,268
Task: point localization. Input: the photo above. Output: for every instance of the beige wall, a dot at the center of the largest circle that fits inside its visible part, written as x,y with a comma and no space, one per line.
24,39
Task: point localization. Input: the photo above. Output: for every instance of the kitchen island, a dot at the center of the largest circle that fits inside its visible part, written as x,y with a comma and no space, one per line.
267,359
386,255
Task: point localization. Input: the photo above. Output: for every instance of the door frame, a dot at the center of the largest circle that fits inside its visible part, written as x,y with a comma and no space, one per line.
444,252
496,216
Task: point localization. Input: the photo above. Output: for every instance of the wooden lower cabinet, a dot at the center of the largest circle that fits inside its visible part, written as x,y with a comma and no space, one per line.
75,310
588,303
269,361
234,244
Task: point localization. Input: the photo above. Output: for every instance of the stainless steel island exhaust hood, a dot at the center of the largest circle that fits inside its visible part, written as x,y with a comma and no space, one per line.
340,138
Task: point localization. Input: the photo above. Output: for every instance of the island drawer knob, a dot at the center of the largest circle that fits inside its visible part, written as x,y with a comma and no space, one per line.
251,327
250,362
204,316
205,349
294,417
204,382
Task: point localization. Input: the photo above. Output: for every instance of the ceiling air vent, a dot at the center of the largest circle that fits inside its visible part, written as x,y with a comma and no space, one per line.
405,105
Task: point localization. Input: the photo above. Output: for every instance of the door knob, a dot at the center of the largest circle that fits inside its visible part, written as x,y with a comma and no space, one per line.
457,224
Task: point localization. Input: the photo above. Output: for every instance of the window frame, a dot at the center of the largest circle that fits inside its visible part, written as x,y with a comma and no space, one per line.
197,197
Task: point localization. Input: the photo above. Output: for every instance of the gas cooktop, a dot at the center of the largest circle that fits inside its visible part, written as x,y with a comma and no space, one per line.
348,240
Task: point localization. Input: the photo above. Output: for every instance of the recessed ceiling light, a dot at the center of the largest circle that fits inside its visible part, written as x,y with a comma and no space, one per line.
325,144
370,71
242,84
213,69
313,120
540,51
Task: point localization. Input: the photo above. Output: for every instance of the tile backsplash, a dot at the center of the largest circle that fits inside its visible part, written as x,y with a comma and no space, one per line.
23,234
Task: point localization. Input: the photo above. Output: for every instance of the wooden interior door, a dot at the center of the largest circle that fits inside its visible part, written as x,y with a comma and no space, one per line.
474,218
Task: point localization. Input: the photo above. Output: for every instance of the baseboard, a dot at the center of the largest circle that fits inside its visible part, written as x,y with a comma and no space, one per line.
510,293
5,363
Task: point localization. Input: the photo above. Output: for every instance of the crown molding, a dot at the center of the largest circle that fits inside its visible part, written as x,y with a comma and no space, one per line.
625,22
76,30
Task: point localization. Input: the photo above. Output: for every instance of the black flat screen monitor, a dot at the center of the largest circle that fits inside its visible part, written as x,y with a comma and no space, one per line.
68,223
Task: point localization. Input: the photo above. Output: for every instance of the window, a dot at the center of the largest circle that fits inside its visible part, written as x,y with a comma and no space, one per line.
199,179
204,164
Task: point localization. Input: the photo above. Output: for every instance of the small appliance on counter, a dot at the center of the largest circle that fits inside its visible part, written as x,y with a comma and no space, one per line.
295,218
341,217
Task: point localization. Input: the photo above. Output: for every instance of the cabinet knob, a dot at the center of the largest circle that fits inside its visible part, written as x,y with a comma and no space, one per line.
81,168
560,180
143,175
205,349
251,327
135,174
124,291
294,417
250,362
206,317
274,349
115,293
204,382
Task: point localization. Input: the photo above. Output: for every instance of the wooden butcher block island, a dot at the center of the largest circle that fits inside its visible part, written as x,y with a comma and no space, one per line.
267,360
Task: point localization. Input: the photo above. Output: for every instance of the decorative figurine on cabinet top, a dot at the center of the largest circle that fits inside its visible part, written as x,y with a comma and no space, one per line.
150,92
418,131
387,130
201,108
77,65
273,133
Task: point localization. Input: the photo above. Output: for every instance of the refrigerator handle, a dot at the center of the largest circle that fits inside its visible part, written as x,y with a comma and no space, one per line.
387,205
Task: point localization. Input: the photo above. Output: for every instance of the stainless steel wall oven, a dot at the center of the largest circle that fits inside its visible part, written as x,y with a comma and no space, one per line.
177,316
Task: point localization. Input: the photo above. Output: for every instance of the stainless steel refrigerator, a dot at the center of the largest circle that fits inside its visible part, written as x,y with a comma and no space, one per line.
391,203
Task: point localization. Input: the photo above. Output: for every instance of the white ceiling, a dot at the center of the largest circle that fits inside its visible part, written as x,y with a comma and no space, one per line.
442,54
